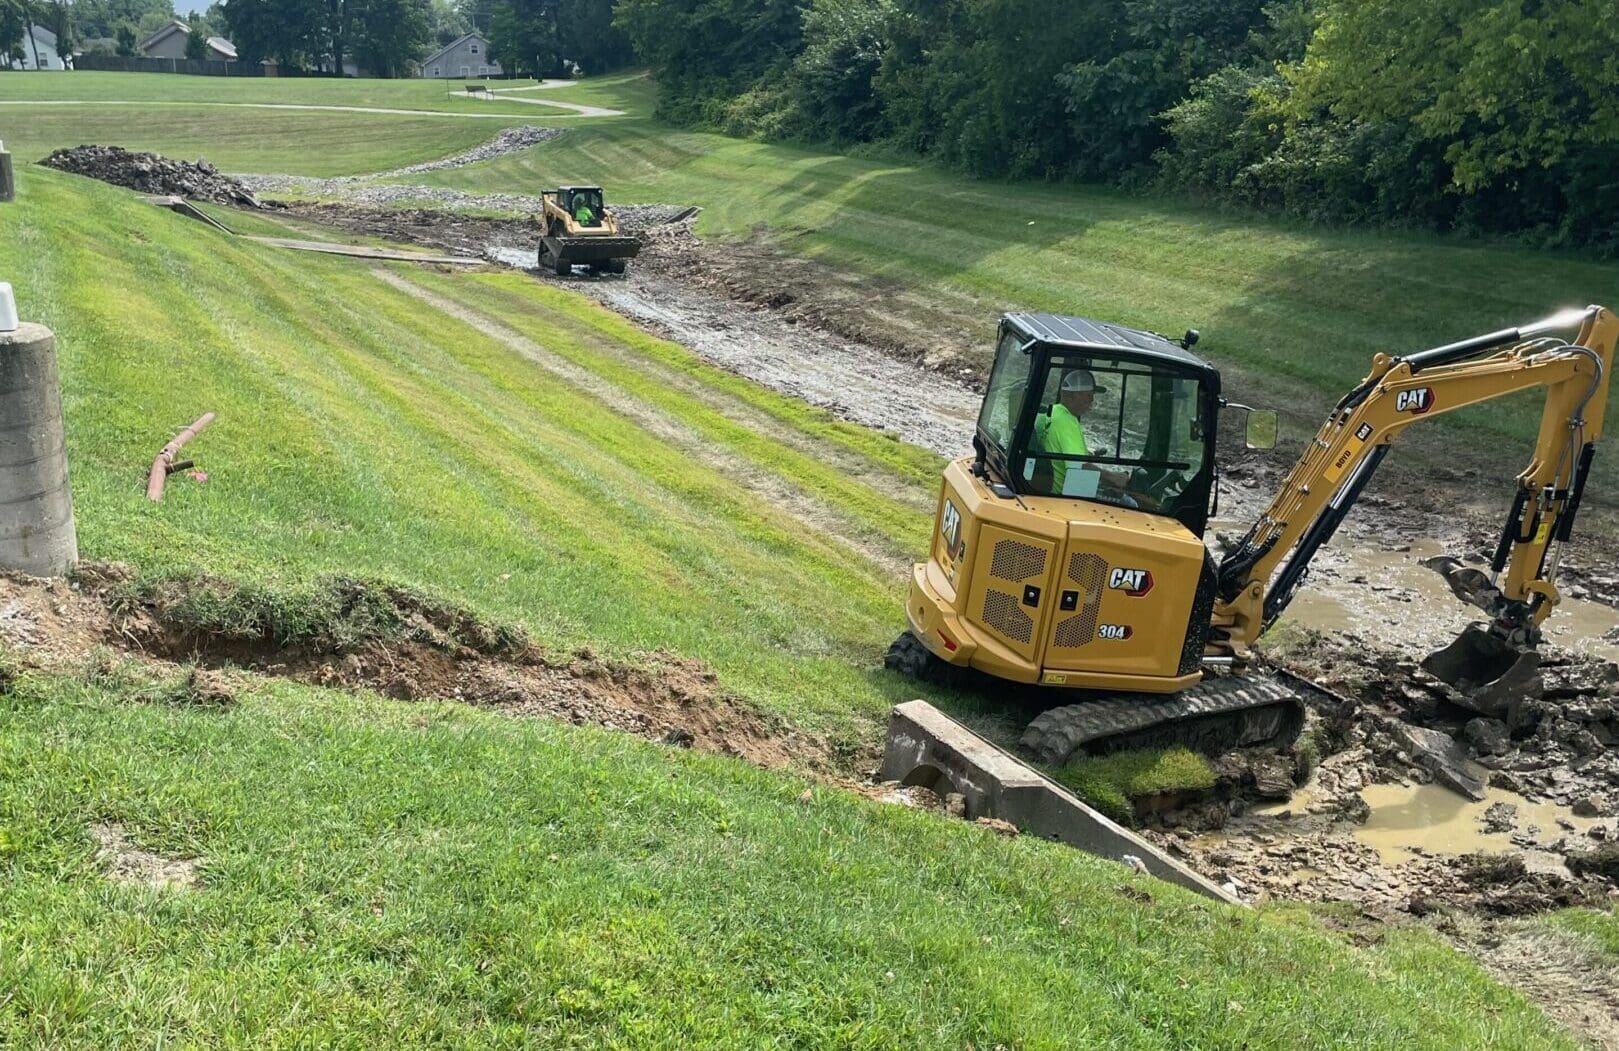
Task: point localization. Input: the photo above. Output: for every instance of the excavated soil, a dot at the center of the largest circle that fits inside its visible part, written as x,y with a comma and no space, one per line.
436,652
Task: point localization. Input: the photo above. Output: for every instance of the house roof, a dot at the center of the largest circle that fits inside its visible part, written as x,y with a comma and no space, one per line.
164,33
223,46
456,43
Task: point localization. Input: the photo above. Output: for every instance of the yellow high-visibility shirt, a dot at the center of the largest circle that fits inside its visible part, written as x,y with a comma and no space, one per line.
1061,432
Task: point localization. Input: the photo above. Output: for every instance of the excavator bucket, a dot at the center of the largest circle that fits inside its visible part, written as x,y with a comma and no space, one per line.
1490,675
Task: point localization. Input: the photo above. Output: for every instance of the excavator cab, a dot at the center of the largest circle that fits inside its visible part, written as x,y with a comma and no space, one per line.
1083,410
1070,546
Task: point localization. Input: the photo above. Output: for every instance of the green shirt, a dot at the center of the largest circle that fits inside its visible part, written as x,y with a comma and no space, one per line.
1060,432
584,215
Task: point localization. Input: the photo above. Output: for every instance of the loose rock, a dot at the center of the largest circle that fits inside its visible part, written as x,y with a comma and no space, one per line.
150,173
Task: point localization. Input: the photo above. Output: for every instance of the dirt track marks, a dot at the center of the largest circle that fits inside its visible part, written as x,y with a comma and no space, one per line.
761,482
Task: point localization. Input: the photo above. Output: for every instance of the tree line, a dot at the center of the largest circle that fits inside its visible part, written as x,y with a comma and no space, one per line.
384,38
1465,115
387,37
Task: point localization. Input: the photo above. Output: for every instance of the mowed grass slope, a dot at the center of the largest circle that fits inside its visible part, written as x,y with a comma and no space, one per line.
1293,315
362,431
170,117
376,874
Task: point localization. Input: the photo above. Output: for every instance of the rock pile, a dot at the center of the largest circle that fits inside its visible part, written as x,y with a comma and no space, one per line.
151,173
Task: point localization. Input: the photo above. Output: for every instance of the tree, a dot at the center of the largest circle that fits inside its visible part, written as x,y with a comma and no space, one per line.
479,14
126,38
525,37
448,22
13,26
705,51
390,34
1503,86
590,39
196,39
289,31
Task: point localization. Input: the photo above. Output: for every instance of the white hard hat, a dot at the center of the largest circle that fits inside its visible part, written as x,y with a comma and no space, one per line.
1081,381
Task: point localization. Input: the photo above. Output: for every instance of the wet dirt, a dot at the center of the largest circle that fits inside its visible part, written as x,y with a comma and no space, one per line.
96,624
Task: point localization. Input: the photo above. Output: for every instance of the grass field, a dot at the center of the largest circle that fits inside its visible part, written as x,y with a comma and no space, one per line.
525,500
376,873
173,121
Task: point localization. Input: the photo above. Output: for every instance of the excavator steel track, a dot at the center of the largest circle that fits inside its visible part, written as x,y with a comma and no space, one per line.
1215,715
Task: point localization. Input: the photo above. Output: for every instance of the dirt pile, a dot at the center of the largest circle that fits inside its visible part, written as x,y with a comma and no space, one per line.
151,173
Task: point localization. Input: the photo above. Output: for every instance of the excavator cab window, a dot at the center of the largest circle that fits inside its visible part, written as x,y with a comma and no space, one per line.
1126,427
1115,431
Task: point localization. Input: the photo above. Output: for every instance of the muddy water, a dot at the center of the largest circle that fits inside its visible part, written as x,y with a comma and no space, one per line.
1363,588
1438,821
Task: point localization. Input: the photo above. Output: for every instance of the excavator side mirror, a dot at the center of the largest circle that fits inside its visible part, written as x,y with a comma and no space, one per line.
1262,429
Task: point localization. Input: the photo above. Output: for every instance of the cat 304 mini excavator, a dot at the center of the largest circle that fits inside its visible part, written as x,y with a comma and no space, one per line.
1068,550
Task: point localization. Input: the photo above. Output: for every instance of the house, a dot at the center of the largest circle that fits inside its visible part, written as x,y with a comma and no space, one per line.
465,57
170,42
38,47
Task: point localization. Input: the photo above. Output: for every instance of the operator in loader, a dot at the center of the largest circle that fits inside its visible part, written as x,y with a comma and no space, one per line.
1061,430
583,214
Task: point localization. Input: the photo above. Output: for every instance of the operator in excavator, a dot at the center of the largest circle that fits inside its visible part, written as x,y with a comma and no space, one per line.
1061,430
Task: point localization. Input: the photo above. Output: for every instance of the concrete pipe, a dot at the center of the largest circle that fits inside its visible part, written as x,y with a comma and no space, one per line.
36,507
8,182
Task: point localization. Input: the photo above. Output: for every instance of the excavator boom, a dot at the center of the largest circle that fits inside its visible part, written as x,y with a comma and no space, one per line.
1261,574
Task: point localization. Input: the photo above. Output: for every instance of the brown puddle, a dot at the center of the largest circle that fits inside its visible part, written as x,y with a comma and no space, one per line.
1367,590
1436,820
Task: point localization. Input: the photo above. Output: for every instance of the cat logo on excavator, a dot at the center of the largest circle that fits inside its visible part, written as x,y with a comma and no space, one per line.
1133,582
1416,401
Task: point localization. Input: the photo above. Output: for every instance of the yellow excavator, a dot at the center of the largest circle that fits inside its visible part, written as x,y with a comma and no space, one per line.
1068,551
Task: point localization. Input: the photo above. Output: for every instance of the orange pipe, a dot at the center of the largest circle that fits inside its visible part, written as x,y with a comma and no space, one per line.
165,459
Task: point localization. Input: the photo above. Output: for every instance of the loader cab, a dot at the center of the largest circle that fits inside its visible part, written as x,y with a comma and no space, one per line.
1092,411
582,202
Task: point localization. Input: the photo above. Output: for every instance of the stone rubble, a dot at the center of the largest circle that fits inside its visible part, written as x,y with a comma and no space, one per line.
151,173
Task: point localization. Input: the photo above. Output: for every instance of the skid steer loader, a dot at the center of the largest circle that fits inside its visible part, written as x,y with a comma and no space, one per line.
580,230
1068,550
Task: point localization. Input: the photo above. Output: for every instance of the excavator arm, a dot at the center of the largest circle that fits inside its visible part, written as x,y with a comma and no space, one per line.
1259,576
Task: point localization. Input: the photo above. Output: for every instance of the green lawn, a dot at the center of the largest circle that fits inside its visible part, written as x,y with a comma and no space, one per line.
362,431
378,874
618,91
301,142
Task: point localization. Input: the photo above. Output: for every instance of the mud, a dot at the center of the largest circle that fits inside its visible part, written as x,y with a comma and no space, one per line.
438,652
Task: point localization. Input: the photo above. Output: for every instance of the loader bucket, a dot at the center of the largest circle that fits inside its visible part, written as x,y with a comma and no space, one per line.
1490,675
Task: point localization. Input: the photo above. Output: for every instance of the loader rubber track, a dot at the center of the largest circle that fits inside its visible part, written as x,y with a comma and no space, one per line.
1216,715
